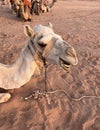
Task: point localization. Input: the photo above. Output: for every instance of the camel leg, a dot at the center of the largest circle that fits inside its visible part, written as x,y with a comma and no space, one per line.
4,97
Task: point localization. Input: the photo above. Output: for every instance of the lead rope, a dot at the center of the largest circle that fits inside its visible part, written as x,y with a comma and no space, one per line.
45,74
46,93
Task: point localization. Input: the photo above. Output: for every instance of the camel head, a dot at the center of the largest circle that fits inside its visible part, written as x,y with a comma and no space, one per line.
53,48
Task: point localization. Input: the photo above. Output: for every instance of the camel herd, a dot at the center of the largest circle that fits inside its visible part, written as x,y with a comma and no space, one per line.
24,9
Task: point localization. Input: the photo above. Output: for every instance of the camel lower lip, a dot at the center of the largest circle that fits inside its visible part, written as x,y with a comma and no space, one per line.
65,65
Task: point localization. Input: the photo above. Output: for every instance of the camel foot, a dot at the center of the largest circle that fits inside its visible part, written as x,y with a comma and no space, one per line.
4,97
27,20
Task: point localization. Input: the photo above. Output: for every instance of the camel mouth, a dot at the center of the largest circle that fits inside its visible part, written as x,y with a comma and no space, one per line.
64,64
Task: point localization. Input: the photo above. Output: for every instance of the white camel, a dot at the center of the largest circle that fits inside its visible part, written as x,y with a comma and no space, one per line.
43,42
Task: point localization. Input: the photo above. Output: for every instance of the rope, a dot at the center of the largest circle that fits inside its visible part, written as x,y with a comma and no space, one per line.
55,91
45,92
45,74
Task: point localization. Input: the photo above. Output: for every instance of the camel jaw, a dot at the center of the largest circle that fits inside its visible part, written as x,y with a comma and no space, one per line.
64,64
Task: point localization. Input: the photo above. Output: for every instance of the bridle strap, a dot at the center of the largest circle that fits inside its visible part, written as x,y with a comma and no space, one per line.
30,50
32,47
34,50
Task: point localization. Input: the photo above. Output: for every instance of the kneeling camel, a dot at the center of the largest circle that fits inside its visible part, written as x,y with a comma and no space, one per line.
45,44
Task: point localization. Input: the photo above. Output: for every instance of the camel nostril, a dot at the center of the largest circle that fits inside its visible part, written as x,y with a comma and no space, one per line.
70,51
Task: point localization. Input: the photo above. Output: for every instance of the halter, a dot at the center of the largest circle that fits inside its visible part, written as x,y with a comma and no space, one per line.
37,55
39,59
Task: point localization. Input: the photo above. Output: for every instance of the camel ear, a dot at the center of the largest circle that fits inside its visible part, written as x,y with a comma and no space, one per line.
49,47
28,31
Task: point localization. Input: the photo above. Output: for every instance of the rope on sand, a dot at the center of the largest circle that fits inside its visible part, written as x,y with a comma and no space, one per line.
36,94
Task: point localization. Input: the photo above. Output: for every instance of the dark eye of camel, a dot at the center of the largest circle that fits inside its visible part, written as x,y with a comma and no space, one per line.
42,45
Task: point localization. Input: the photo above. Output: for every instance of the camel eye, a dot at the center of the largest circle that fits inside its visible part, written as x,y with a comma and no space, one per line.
42,45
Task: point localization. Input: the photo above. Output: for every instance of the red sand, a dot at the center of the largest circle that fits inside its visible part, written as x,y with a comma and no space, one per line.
79,24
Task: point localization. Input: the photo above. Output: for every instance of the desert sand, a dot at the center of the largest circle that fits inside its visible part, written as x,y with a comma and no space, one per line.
78,22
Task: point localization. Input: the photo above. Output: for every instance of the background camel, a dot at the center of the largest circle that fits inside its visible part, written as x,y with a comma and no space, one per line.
43,41
24,8
21,8
41,6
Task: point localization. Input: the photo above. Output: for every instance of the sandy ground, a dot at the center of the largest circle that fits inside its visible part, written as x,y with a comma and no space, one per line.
79,24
